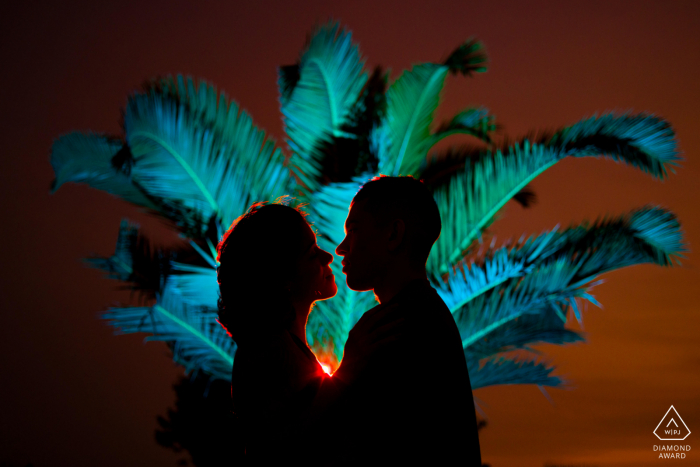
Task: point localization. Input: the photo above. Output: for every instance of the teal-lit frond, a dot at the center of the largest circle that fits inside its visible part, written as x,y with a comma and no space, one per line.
470,200
136,262
475,122
316,103
550,273
87,158
544,327
661,231
646,235
197,341
411,103
468,280
120,266
501,370
643,141
467,58
214,173
547,284
196,285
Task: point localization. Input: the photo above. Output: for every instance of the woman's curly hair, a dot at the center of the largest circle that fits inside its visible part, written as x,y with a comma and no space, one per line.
257,257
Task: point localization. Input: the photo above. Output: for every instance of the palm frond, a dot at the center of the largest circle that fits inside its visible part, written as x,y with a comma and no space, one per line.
546,285
135,261
660,229
317,96
545,327
550,273
197,340
440,166
475,122
470,279
468,58
196,285
87,158
470,199
643,141
216,173
347,156
411,103
500,370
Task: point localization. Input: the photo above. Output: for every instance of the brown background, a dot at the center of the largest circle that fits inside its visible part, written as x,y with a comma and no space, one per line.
71,394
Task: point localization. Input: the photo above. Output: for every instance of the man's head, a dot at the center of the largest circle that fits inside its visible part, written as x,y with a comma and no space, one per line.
393,222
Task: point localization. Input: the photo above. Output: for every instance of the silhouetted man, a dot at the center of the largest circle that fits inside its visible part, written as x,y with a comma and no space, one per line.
413,404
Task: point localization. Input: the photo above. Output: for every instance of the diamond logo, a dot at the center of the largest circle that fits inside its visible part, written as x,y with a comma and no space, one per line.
671,427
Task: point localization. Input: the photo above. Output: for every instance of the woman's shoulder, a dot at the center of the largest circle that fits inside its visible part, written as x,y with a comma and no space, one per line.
279,354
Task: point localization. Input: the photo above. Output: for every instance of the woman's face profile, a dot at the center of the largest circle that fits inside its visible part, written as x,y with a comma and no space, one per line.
313,279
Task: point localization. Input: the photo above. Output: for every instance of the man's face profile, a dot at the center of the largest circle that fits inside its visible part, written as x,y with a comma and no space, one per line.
361,248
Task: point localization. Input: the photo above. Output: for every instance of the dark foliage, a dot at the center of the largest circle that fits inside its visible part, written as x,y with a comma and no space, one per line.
349,155
468,58
201,423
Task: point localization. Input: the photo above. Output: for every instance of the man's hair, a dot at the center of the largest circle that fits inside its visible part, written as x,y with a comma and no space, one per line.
408,199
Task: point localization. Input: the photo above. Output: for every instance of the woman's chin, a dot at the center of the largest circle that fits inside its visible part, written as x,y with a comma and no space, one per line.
330,293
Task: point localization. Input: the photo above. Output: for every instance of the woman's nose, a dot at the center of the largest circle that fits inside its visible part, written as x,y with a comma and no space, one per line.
329,257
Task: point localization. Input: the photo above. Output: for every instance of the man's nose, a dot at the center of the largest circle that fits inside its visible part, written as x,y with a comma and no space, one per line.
340,250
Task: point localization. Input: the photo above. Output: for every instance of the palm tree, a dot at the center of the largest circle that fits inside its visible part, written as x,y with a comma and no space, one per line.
191,156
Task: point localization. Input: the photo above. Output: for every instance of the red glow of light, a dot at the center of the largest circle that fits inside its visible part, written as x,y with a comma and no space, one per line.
326,368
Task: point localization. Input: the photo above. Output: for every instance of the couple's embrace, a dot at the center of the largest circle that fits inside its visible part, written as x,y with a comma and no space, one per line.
401,395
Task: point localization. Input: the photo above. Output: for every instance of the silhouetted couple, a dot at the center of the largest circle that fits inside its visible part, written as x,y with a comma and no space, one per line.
402,394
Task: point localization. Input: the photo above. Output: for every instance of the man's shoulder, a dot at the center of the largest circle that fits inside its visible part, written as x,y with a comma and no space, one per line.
424,303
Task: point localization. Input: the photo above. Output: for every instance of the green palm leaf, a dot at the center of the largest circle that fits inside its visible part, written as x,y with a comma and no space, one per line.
643,141
87,158
142,267
197,285
544,327
467,58
475,122
411,103
197,340
470,199
556,270
501,370
215,173
318,96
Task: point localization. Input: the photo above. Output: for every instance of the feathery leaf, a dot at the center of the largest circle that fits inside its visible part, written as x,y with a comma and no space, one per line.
500,370
135,261
471,198
214,160
411,103
197,340
468,58
87,158
317,105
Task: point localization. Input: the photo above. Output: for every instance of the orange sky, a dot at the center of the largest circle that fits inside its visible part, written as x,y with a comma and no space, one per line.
72,394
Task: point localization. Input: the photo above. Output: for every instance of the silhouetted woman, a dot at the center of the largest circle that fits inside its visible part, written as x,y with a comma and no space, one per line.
271,272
